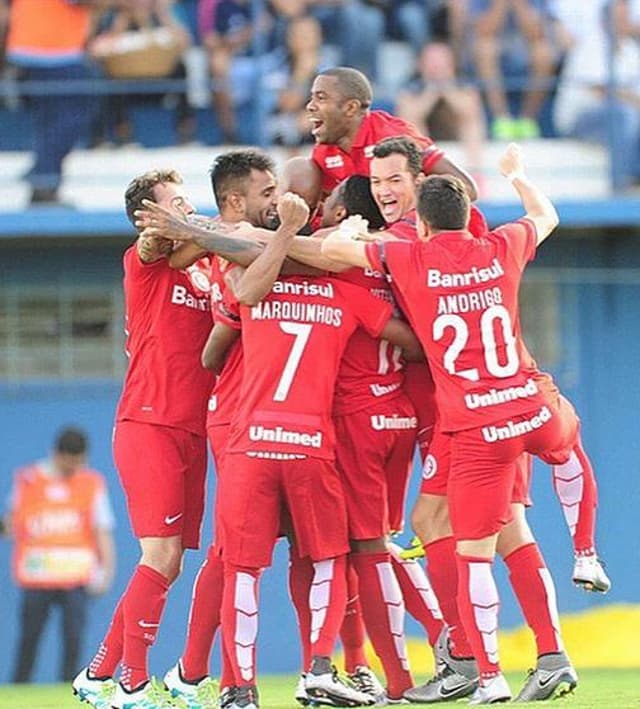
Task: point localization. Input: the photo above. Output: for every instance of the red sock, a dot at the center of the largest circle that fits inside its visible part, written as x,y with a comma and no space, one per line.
240,621
419,598
327,601
575,485
478,602
443,574
383,611
352,633
204,617
300,577
109,653
226,671
536,595
142,606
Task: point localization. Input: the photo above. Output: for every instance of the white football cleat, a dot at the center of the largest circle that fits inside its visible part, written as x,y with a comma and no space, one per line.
364,680
324,686
589,573
198,695
492,691
94,691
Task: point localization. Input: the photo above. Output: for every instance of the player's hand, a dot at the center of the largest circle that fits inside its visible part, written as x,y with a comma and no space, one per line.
355,227
98,583
161,222
292,211
511,161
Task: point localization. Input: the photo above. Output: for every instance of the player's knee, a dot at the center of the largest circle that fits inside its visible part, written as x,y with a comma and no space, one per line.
430,518
163,555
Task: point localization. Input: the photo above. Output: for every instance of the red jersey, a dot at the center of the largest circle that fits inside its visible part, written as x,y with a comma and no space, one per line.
461,293
293,341
226,391
371,368
167,324
337,164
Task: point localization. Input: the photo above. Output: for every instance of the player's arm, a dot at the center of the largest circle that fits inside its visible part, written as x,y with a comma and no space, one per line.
444,166
308,250
257,279
152,248
218,345
398,333
347,243
107,558
537,205
222,239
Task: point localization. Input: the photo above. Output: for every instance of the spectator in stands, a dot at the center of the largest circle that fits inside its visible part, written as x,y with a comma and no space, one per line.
292,81
356,27
410,21
442,106
512,32
61,522
47,41
144,41
588,106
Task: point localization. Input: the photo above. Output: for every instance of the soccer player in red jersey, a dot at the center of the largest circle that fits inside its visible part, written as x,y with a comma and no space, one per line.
244,187
346,129
461,296
159,441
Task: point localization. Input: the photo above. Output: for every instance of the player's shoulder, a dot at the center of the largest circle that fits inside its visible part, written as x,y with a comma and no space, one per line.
27,474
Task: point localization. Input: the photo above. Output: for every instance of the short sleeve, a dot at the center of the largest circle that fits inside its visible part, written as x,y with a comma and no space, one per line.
389,257
519,240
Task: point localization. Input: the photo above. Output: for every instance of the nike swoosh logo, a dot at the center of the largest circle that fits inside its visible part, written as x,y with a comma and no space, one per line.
171,520
448,691
144,624
544,682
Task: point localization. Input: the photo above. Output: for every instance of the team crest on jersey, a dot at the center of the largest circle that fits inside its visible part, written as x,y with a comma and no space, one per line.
333,161
368,151
199,279
430,467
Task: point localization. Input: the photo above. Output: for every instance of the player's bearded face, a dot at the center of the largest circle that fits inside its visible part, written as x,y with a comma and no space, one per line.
393,187
261,200
327,111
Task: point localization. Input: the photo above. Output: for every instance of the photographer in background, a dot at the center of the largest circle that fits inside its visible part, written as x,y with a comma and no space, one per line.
61,522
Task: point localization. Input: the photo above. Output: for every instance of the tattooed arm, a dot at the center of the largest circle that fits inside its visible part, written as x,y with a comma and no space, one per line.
153,248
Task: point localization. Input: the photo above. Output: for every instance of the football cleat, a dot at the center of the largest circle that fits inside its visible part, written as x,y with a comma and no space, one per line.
194,695
151,695
465,666
364,680
492,691
95,691
413,550
589,573
300,694
324,686
227,695
554,676
446,686
245,697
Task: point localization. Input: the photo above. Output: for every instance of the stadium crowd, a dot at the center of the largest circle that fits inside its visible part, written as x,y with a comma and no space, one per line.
460,69
334,357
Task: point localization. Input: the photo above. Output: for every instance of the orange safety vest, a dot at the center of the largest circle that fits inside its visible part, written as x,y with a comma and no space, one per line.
54,529
48,29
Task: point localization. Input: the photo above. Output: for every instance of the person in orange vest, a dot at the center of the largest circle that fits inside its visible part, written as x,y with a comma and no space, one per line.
61,521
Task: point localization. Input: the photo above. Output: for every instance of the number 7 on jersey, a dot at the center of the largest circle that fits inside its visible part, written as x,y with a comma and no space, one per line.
301,332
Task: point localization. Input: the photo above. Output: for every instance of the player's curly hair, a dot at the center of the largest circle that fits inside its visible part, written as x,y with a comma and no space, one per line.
443,203
231,170
141,187
352,84
400,145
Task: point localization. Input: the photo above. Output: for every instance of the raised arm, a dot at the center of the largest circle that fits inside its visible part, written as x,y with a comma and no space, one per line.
257,280
537,205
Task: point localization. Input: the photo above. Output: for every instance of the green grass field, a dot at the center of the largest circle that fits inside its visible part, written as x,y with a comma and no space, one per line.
598,689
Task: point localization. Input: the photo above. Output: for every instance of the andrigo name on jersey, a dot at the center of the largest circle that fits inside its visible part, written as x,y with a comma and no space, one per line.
181,296
476,276
281,435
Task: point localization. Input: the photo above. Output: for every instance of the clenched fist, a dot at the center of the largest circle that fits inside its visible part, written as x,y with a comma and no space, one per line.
293,211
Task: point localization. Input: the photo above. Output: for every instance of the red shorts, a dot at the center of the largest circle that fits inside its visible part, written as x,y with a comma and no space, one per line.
435,471
163,472
482,470
374,459
253,494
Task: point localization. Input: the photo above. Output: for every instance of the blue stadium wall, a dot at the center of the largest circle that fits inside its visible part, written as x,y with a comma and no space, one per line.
598,371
